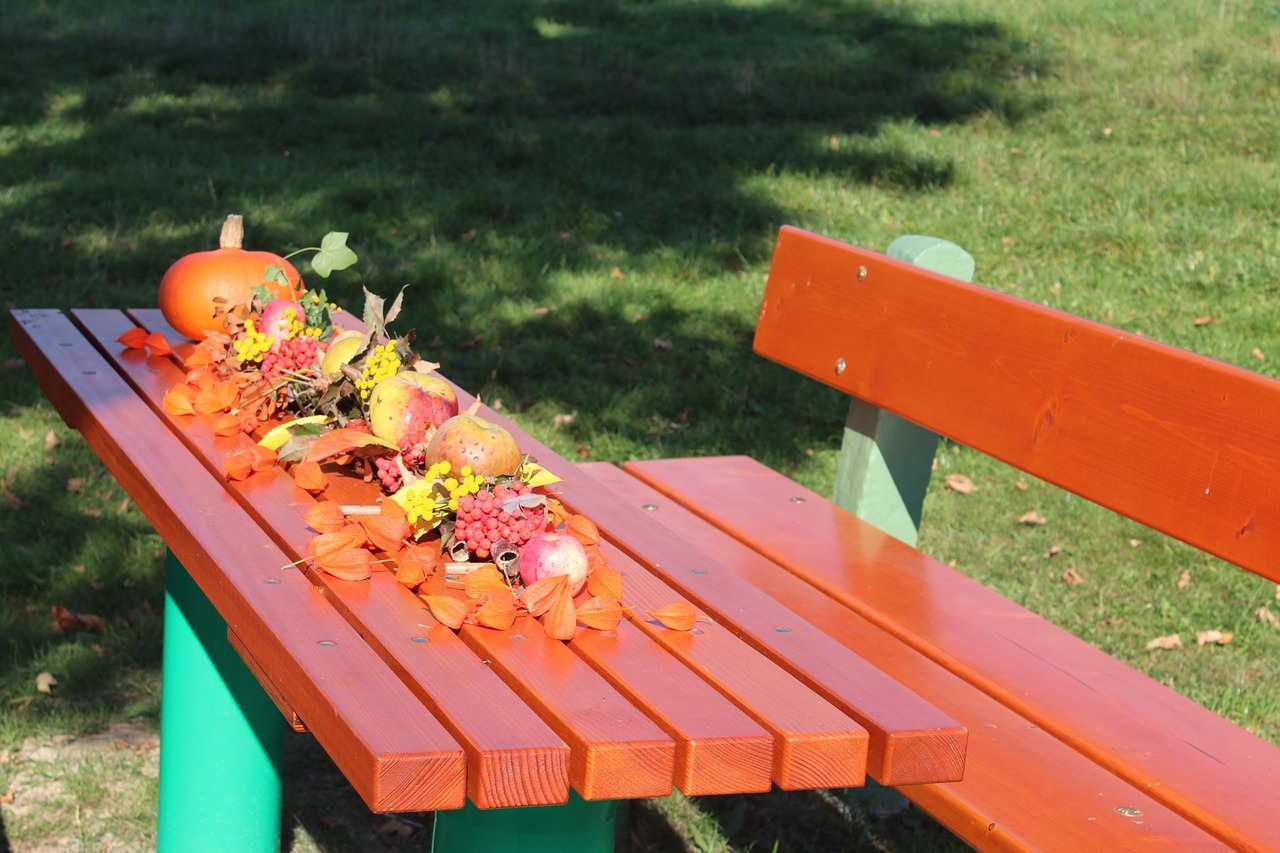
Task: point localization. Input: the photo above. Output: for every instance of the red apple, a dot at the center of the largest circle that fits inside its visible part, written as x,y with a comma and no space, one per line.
401,410
277,319
549,554
471,440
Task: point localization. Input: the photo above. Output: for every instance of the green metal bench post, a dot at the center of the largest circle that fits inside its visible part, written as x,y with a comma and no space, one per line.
221,736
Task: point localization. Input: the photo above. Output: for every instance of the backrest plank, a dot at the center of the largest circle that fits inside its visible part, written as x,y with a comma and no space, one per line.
1181,443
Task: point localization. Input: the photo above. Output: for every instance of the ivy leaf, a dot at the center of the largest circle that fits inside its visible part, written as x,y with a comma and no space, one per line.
333,254
273,274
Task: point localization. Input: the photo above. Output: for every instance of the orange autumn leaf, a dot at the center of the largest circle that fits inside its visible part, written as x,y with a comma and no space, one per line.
201,379
538,597
135,338
386,531
603,613
326,545
448,611
583,529
210,402
325,517
342,440
238,465
199,357
678,615
596,558
179,401
158,344
356,532
496,612
415,564
560,620
353,564
229,425
605,581
228,394
486,579
307,475
556,512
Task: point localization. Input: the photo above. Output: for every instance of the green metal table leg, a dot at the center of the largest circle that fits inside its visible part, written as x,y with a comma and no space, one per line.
221,736
576,827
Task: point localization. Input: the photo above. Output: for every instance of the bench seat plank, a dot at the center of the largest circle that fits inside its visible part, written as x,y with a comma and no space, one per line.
1023,789
1100,412
346,693
1119,718
910,741
815,744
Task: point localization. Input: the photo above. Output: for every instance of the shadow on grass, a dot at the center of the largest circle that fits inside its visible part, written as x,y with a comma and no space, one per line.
485,151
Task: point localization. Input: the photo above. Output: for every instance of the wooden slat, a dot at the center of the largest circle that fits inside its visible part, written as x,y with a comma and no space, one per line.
911,742
513,757
1195,762
1023,788
816,745
1181,443
396,756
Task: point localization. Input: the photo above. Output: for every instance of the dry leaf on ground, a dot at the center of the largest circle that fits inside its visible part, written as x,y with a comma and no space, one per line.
45,682
1171,641
1220,638
51,440
1032,517
961,484
1072,577
1266,617
1184,580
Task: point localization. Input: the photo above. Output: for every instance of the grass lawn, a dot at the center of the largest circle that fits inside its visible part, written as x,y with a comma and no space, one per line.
582,196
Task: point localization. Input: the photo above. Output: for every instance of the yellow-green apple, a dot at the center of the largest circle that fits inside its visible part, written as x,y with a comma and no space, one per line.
342,349
468,439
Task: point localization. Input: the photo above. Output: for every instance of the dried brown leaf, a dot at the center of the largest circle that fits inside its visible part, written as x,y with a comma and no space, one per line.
1168,642
1266,617
1071,577
1220,638
51,440
961,484
1184,580
1032,517
45,682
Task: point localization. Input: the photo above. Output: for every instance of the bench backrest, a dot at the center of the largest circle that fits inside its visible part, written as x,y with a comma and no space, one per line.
1184,444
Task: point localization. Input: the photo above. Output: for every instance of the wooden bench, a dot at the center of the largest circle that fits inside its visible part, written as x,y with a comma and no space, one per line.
1069,749
477,724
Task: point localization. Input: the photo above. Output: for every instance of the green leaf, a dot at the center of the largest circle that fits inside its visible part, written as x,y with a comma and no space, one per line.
333,254
276,274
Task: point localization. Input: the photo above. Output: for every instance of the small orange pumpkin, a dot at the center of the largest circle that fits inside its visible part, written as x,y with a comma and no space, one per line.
191,288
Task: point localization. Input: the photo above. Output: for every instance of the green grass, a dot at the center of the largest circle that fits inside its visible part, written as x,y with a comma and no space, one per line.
1117,160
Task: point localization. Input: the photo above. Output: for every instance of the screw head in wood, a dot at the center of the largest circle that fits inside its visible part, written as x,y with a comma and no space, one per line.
840,366
862,272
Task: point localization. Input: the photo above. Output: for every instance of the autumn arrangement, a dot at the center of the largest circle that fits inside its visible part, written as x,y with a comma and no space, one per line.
465,519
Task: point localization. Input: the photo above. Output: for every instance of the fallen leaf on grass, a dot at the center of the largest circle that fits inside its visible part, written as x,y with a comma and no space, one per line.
45,682
75,484
7,797
1032,517
1266,617
66,622
1184,580
51,440
13,500
1220,638
1258,354
1171,641
961,484
663,344
618,273
1203,320
395,827
1072,577
1053,552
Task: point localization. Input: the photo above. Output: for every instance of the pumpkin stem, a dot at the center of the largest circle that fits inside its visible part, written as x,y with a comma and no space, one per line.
232,233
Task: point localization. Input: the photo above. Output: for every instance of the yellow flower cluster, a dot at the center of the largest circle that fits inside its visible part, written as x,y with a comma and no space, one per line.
455,488
428,498
381,363
253,344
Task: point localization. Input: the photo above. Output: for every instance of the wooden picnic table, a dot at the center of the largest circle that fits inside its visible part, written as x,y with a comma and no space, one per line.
471,723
